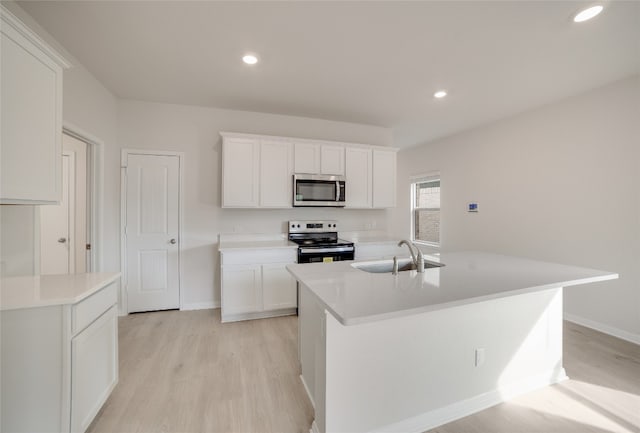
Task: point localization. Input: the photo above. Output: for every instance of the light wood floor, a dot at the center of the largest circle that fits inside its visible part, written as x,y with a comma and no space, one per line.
187,372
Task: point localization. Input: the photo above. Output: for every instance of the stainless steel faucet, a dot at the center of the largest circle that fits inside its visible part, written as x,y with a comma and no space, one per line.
417,261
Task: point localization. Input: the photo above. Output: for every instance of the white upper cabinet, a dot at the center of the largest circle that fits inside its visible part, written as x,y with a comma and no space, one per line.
257,170
307,157
331,159
240,172
276,173
384,178
358,171
31,119
319,158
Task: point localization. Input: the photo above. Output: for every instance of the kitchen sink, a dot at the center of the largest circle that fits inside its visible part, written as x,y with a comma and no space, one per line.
386,266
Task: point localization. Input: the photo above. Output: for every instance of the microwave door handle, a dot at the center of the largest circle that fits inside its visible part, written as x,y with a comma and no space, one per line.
337,190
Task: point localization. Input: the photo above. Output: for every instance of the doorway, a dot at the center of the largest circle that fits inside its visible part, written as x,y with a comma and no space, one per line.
151,218
64,227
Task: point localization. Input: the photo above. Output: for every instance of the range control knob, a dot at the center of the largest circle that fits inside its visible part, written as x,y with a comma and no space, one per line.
298,225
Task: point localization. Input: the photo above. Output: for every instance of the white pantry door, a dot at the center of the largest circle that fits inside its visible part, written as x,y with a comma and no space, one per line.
57,225
151,232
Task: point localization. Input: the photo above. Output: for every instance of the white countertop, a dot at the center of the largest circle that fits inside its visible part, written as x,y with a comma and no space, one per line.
354,296
46,290
371,239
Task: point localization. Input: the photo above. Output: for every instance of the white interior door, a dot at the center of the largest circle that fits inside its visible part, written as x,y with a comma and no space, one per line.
57,223
151,232
78,234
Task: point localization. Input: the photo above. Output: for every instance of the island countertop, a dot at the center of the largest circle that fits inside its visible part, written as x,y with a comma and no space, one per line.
46,290
354,296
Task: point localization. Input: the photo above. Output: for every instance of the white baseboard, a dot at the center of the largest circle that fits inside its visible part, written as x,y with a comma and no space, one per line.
437,417
226,318
607,329
200,306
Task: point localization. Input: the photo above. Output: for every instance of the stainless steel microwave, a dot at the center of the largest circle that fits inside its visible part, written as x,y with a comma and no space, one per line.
318,190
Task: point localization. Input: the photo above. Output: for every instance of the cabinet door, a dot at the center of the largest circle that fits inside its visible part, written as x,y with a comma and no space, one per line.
94,368
384,178
358,166
240,172
241,289
332,159
31,122
307,158
276,170
278,287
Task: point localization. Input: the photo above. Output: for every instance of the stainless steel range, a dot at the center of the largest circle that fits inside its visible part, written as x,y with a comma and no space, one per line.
318,241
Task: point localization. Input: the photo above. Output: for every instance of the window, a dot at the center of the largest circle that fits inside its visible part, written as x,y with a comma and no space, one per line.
425,207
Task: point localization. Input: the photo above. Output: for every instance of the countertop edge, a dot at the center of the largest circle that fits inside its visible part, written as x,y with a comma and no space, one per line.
110,277
446,305
462,302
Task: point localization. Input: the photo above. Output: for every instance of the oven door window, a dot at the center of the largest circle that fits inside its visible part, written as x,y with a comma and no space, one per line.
315,190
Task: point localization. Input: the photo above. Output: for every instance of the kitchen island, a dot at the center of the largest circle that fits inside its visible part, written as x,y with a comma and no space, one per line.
408,352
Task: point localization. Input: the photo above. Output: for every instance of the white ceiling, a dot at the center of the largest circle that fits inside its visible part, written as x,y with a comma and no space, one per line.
376,63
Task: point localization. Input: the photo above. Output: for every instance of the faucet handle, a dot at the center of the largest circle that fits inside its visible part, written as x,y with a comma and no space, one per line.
394,271
420,263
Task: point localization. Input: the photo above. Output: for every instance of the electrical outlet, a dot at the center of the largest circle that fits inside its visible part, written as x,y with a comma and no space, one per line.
479,357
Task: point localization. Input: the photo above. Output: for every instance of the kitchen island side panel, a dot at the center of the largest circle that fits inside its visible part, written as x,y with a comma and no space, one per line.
415,372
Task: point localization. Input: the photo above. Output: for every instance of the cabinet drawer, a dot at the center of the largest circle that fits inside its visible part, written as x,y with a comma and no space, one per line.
88,310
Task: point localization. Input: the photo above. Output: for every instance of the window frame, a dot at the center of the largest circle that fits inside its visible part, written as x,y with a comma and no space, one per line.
429,177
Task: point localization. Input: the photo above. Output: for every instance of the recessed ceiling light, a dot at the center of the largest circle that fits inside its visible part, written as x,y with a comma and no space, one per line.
250,59
440,94
587,14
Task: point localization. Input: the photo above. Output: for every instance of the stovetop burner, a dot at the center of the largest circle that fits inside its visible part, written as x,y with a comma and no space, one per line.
323,242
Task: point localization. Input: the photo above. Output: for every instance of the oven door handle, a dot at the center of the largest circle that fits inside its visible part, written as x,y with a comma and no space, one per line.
326,250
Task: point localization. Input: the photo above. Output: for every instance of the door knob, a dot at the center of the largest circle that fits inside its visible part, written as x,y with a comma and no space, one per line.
173,241
62,240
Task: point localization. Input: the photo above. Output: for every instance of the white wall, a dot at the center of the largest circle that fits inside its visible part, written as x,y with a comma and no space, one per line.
195,131
560,183
17,240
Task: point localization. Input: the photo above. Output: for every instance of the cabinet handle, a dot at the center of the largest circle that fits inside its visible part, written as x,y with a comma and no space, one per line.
173,241
62,240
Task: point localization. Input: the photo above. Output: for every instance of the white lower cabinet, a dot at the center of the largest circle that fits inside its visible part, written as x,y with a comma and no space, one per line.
261,288
241,289
59,363
94,372
278,288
